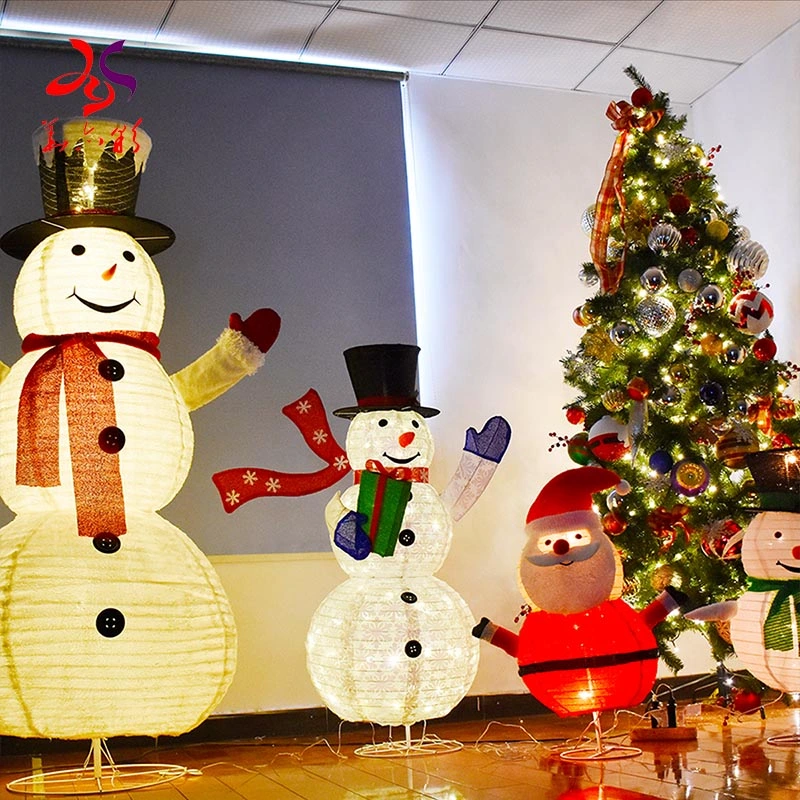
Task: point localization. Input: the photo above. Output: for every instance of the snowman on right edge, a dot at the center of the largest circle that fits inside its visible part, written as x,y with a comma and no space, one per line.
764,621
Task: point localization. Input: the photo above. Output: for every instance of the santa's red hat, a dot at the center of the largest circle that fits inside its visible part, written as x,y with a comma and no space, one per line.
565,501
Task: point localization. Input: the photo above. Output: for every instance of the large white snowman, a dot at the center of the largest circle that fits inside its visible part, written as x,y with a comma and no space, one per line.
113,622
392,643
765,620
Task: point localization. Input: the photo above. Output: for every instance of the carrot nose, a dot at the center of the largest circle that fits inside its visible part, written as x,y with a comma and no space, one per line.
406,438
109,273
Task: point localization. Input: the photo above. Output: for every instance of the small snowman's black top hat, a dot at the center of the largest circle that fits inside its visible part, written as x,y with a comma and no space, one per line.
89,171
384,377
776,474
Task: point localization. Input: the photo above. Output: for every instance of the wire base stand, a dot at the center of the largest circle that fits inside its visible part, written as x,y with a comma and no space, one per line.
599,751
94,777
426,746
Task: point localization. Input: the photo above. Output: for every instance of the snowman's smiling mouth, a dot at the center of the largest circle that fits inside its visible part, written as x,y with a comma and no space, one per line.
400,460
103,309
787,567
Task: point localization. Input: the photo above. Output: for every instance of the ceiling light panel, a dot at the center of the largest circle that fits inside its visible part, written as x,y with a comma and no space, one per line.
95,18
684,79
356,38
464,12
526,59
608,21
247,26
728,30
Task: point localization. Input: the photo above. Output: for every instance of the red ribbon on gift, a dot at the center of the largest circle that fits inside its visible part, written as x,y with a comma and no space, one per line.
624,120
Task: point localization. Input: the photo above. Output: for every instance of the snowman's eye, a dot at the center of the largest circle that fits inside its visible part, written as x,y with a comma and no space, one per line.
78,250
579,536
383,422
127,255
547,542
415,423
777,534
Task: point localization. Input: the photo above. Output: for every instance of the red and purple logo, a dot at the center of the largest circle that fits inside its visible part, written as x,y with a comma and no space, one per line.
72,81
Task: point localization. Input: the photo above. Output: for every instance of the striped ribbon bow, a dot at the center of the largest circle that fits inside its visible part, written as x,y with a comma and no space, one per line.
624,120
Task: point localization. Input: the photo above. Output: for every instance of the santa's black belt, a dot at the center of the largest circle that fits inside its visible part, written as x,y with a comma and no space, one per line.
589,662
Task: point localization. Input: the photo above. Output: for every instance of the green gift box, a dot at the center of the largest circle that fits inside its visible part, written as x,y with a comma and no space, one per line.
383,501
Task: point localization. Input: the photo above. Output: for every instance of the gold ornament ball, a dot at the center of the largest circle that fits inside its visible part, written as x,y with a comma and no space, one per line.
662,577
614,399
711,344
734,446
717,230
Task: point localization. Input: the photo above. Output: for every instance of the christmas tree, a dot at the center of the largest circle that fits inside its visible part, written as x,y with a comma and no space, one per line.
676,368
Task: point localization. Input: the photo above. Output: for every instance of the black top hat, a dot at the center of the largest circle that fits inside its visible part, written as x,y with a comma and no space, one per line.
384,377
89,171
776,474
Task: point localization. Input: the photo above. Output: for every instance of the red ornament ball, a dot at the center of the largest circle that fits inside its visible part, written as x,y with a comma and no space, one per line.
613,524
765,349
679,203
638,388
689,236
744,700
642,97
575,415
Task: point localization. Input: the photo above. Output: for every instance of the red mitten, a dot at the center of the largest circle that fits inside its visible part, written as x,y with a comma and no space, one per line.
261,327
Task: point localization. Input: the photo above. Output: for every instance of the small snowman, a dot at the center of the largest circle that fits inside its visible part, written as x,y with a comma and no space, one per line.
765,620
114,622
581,648
392,644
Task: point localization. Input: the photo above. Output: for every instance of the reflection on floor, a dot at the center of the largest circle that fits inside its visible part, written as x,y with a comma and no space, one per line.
503,760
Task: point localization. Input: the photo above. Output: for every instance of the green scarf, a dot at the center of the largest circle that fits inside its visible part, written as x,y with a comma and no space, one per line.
778,623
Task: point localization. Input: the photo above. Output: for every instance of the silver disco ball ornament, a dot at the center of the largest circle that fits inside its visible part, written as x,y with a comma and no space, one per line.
664,238
653,279
655,315
587,220
689,280
709,298
748,260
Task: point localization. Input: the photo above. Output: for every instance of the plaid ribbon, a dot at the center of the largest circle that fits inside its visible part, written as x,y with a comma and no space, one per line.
623,120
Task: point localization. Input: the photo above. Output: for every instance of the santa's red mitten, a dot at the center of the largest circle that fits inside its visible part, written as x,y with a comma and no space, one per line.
261,327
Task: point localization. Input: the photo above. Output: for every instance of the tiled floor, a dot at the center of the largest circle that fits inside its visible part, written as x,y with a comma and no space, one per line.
731,760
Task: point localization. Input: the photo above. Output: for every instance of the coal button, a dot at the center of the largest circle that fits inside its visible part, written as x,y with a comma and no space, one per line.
111,369
106,543
110,623
111,439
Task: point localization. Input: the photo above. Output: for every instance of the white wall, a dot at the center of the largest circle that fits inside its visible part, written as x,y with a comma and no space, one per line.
755,115
502,175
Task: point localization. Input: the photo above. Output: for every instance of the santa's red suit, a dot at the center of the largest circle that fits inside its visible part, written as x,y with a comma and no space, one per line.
598,659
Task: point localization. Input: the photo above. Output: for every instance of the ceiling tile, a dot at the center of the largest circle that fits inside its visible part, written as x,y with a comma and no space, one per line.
386,42
608,21
98,18
729,30
465,12
684,79
526,59
263,27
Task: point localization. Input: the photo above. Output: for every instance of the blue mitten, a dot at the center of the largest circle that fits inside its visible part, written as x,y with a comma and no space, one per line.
350,537
492,442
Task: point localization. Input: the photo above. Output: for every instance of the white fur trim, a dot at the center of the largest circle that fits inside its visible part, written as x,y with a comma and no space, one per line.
240,349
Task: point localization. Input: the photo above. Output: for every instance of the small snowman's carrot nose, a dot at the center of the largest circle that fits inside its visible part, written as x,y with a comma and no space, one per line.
796,552
406,438
109,273
561,547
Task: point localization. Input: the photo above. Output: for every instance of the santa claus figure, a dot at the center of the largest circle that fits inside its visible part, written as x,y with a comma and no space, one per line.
581,648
